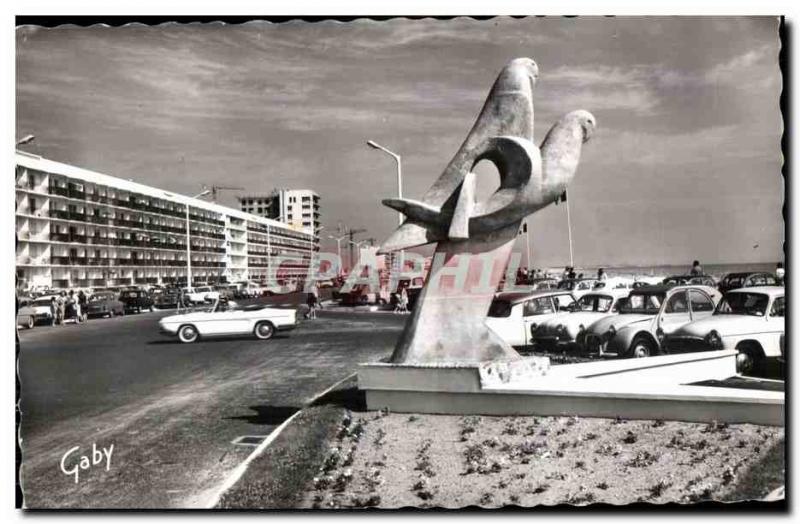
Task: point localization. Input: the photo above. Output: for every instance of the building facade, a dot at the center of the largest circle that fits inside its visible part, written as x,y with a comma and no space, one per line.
298,208
78,228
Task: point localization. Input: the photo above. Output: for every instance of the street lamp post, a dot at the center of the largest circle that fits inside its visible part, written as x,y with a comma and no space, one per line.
398,162
189,241
339,250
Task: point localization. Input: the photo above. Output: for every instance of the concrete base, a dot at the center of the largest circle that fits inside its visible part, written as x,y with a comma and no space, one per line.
650,388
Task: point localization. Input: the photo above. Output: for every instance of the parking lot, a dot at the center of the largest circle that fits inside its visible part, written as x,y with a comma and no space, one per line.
170,410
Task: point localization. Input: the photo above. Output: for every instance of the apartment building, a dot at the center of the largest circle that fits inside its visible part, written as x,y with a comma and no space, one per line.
299,208
78,228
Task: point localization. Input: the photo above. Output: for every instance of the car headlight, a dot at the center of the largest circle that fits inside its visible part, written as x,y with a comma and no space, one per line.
714,340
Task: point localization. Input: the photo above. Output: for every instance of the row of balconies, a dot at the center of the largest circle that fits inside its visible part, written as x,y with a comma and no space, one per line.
77,194
82,217
111,241
113,262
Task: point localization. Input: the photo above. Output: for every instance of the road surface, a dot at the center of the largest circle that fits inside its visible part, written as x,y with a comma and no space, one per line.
170,410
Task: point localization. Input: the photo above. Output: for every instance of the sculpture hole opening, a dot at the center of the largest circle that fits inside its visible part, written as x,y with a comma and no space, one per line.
487,181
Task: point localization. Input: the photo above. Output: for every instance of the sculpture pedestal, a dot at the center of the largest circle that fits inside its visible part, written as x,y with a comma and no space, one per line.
648,388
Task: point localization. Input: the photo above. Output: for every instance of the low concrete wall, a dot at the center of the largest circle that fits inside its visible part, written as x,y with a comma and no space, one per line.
652,388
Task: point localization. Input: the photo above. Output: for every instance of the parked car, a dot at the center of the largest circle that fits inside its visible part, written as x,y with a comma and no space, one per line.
42,309
136,300
685,280
105,304
543,283
562,332
578,286
361,295
750,279
199,295
614,283
647,316
750,320
26,314
228,318
166,298
515,315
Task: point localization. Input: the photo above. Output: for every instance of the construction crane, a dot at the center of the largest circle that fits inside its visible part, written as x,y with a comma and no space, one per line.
351,232
216,189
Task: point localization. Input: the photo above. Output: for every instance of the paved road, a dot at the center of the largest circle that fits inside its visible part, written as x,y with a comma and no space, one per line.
170,410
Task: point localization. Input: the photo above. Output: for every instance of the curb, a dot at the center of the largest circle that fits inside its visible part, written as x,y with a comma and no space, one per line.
240,470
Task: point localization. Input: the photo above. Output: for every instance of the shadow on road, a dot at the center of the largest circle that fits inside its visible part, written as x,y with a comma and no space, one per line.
268,415
349,398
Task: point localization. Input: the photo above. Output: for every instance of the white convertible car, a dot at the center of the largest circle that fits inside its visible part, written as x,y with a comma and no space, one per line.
225,319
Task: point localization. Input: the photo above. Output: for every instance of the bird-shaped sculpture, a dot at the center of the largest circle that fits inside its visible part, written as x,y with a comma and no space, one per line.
447,324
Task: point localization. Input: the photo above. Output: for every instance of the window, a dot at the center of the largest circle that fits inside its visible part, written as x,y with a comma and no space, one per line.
564,302
677,303
700,302
778,307
538,306
757,280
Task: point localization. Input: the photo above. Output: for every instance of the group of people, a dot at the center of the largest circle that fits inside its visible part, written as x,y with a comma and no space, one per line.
401,306
68,306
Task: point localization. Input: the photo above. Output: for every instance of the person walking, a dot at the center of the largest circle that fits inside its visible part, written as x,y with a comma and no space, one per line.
83,300
53,310
601,275
404,301
780,273
697,269
61,302
312,304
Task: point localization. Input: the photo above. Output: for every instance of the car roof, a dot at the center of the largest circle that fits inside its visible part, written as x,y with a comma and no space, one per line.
614,292
516,297
767,290
744,274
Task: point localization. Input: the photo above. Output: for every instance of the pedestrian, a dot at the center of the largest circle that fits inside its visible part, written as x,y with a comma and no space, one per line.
83,300
697,269
61,301
403,301
312,302
601,275
780,273
572,275
53,310
567,271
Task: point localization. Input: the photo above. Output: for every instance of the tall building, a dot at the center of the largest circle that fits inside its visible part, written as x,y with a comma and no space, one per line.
299,208
78,228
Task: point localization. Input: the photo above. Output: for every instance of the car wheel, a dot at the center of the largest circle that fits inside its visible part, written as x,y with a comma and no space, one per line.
749,361
31,322
188,334
264,330
642,347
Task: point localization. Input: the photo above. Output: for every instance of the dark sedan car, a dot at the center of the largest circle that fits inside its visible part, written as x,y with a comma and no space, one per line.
690,280
104,304
748,279
166,298
136,300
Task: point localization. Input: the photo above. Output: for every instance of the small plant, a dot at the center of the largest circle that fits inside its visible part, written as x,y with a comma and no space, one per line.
658,423
413,418
513,499
580,499
642,459
630,438
580,465
366,502
541,488
590,436
486,499
602,486
658,489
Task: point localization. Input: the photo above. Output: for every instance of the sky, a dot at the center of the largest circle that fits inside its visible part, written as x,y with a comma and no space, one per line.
685,163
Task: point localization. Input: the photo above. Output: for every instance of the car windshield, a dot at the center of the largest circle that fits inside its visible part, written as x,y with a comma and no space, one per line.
500,309
743,304
733,281
643,303
566,284
599,303
41,302
130,294
101,297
